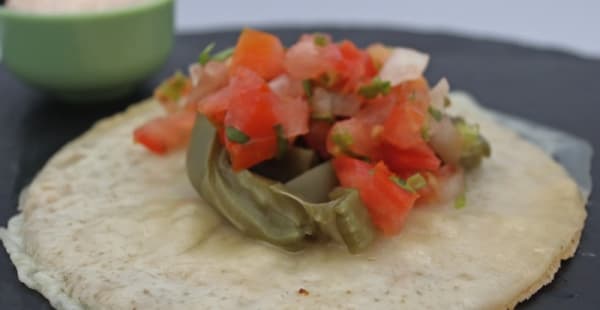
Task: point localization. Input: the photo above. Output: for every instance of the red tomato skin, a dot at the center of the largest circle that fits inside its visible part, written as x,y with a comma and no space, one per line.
260,52
363,141
215,106
294,115
164,134
403,126
405,123
242,82
365,128
244,156
352,172
393,203
387,203
316,138
415,92
306,60
353,68
418,158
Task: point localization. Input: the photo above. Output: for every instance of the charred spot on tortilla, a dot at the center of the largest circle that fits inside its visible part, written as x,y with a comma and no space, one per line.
303,292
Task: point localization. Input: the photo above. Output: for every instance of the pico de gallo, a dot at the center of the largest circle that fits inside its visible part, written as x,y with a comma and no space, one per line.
369,113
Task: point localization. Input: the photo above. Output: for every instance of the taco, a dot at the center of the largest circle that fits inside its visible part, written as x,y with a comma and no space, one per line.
321,176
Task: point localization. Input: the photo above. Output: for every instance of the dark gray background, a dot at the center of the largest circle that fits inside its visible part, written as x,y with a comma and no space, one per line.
549,87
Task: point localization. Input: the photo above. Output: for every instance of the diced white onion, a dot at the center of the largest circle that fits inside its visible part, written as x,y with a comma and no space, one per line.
344,105
322,103
206,80
326,103
445,140
404,64
279,84
196,72
452,186
283,85
439,93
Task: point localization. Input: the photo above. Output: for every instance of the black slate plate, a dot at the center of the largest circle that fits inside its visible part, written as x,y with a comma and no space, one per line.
549,87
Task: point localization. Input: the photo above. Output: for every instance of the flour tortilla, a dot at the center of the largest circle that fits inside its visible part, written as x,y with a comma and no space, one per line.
106,225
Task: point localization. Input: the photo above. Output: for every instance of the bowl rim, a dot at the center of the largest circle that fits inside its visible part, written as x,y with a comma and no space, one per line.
76,16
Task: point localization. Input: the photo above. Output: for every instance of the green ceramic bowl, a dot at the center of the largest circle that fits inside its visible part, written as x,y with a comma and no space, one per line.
88,56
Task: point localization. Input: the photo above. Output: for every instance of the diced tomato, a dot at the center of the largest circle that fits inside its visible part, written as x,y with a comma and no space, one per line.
293,114
306,60
354,67
352,59
242,82
255,110
388,203
215,106
221,135
415,92
167,133
260,52
344,65
365,129
377,110
251,112
371,69
403,127
352,172
316,138
244,156
353,137
417,158
207,79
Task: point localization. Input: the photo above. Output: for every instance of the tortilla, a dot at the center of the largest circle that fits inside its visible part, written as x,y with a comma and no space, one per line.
107,225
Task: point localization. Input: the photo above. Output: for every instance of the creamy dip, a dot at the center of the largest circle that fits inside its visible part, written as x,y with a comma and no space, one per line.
69,6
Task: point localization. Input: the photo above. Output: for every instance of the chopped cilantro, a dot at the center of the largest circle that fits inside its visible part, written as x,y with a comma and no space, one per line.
447,102
308,88
375,88
400,182
413,96
327,79
235,135
173,88
460,201
343,140
224,54
435,113
320,40
416,181
282,143
425,134
205,55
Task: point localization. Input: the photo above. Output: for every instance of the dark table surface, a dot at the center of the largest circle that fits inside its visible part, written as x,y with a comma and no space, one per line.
550,87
